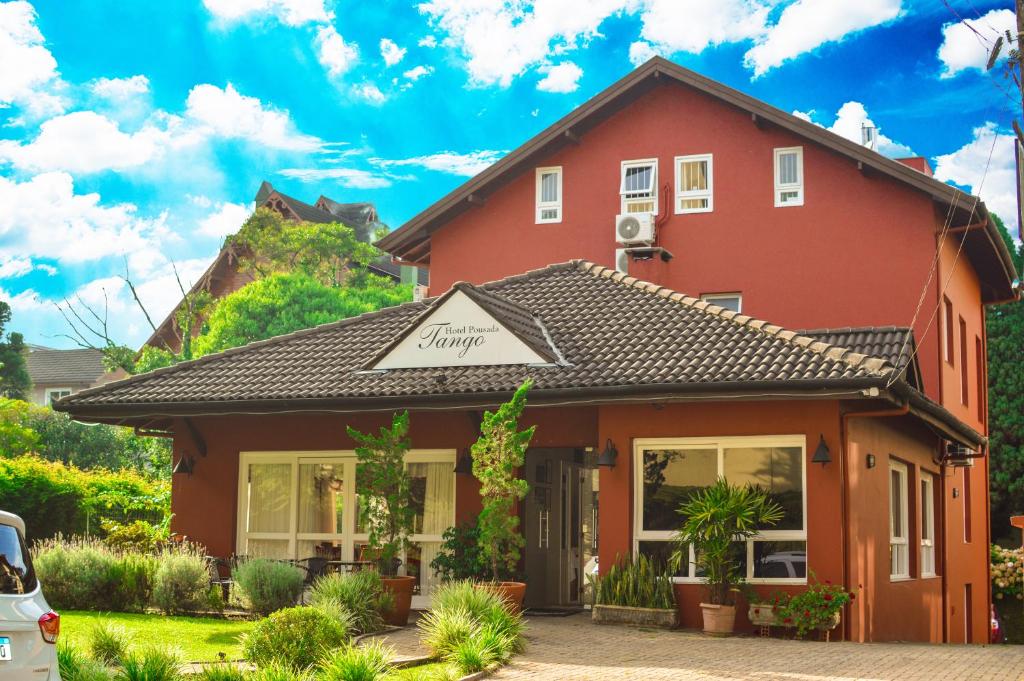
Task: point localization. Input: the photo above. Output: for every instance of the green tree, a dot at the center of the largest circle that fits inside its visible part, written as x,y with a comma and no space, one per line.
1005,329
14,379
282,303
16,436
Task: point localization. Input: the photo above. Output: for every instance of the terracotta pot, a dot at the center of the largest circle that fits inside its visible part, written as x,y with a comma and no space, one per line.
718,619
401,590
512,593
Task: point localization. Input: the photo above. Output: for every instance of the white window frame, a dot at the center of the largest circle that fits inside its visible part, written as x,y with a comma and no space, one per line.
49,392
708,193
898,543
542,206
927,524
787,187
721,443
638,163
713,298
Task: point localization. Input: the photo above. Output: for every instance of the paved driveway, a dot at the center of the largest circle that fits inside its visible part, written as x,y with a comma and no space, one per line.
572,648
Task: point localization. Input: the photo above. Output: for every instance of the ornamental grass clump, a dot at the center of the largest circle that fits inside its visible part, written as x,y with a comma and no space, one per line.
367,662
360,594
268,585
74,665
151,664
108,642
637,582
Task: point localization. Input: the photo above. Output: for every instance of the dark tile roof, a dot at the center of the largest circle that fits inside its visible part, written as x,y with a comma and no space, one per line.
612,331
895,344
81,366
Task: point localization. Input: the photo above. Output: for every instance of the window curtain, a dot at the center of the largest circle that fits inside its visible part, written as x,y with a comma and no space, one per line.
269,497
438,497
320,504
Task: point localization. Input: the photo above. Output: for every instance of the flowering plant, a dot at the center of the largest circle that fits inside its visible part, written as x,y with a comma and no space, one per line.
1007,573
815,608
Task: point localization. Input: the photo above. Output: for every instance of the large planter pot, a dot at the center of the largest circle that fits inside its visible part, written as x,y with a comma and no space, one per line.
761,614
512,593
621,614
718,619
400,589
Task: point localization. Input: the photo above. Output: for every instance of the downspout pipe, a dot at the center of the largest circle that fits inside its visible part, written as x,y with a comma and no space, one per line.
844,427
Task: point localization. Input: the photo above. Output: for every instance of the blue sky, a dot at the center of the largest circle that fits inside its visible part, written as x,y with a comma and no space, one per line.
135,134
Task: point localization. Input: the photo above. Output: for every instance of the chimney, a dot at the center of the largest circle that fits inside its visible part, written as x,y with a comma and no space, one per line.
918,163
868,138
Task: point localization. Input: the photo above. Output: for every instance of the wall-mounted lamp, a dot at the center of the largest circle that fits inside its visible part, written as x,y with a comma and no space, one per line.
186,464
822,455
608,455
956,492
464,465
871,460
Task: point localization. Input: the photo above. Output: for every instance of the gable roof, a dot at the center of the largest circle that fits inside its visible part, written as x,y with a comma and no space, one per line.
80,366
620,338
895,344
984,245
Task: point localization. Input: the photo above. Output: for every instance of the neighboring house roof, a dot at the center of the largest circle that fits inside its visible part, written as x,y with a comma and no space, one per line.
895,344
72,367
619,337
983,245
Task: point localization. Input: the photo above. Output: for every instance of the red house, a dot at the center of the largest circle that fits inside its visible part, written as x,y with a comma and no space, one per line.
868,425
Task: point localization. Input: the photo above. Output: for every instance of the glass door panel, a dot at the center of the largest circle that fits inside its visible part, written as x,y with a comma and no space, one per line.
269,497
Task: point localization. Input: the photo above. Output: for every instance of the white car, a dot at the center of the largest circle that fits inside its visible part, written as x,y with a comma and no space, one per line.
28,628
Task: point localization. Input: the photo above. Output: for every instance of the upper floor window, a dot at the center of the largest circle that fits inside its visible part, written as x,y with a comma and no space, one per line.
963,362
549,195
789,176
927,524
899,523
947,324
54,394
730,301
639,186
693,184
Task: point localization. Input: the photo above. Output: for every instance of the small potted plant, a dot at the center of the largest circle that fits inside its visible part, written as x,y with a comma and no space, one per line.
384,486
761,610
637,591
497,456
717,521
816,609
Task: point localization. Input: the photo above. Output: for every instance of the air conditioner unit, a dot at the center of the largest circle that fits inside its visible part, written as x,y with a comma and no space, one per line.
622,259
959,456
634,228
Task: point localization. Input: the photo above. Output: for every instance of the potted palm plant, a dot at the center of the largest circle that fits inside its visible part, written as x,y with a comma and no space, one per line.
497,455
717,521
384,487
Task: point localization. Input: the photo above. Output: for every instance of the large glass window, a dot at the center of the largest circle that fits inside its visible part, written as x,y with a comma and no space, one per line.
668,472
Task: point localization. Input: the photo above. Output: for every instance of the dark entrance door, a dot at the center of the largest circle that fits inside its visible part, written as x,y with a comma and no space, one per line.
557,514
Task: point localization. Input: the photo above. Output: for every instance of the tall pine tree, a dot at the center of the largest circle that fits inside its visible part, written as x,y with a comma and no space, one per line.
14,380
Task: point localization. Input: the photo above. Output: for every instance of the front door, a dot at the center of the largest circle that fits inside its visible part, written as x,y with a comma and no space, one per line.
558,527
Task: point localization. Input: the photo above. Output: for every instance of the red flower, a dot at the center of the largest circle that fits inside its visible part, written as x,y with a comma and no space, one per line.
828,597
807,613
828,581
853,597
787,620
757,611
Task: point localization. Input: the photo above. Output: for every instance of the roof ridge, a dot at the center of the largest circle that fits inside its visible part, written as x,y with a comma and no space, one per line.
874,365
853,329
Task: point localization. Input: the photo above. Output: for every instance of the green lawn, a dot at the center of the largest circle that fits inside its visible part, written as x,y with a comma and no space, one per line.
198,638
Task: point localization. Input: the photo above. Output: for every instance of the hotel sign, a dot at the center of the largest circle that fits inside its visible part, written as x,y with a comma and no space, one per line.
459,333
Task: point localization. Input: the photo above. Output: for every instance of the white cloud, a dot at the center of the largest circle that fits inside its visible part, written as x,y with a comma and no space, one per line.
228,114
28,71
120,89
693,25
446,162
369,92
428,41
805,115
641,51
962,48
391,52
336,55
346,177
564,77
967,167
288,12
417,72
808,24
226,219
11,268
502,40
850,121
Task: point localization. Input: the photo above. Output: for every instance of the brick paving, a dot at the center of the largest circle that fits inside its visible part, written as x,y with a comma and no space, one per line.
573,648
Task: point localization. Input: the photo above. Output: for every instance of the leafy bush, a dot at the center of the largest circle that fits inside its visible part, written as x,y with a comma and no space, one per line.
108,643
357,663
814,608
294,637
268,585
470,627
151,664
85,574
181,582
459,557
137,536
637,582
1007,569
360,593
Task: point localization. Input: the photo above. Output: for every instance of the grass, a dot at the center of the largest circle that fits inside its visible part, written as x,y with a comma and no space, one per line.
200,639
433,671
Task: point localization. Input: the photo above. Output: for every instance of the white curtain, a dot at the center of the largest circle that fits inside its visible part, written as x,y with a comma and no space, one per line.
428,580
321,498
438,497
269,497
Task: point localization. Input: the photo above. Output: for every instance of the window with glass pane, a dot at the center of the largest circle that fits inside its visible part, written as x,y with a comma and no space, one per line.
780,559
789,177
433,497
927,525
729,301
321,498
639,187
549,195
899,555
693,184
670,477
777,470
269,497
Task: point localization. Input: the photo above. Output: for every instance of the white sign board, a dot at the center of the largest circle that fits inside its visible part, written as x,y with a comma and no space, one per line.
459,333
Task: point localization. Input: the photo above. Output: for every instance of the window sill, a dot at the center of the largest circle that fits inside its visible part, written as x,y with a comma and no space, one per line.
900,579
753,580
693,211
923,577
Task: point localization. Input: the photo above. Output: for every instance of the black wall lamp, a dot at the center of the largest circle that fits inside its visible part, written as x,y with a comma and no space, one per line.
186,464
871,460
464,465
822,455
608,455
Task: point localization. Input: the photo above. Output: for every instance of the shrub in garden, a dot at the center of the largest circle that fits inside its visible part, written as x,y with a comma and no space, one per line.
268,585
814,608
296,637
1007,569
73,665
181,582
151,664
360,593
108,642
470,627
137,536
636,582
279,672
459,557
367,662
221,672
85,574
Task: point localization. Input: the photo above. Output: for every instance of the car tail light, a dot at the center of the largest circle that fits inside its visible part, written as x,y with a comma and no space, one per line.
49,626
